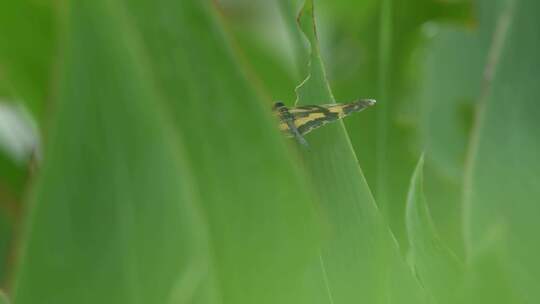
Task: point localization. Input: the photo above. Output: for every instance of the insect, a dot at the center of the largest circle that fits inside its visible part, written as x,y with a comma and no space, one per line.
298,121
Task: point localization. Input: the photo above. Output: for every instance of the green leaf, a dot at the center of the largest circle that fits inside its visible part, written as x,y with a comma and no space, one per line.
270,55
377,60
6,236
439,270
165,178
288,14
453,63
27,48
488,278
258,207
502,175
3,298
113,216
360,258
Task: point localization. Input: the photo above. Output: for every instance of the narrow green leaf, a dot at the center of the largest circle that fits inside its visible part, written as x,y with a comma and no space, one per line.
439,270
258,207
502,186
380,62
453,67
360,259
112,216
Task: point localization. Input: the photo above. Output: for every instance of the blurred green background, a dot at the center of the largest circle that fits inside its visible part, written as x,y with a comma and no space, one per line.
140,161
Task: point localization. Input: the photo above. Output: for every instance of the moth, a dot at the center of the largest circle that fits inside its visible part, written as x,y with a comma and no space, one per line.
298,121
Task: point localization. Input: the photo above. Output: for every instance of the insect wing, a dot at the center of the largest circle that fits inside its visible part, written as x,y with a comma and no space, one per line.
308,118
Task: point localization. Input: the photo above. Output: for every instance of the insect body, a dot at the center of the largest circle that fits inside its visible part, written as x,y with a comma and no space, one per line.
298,121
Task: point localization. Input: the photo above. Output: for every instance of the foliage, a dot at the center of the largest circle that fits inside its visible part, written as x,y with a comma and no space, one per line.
159,175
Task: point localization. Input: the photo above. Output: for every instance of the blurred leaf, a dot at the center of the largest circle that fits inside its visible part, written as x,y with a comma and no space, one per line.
166,181
439,270
378,64
12,183
6,239
453,66
503,173
350,46
17,143
114,220
14,176
276,77
488,277
263,37
300,50
112,216
360,258
27,49
3,298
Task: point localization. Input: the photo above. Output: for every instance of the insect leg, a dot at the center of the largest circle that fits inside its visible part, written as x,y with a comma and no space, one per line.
297,134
